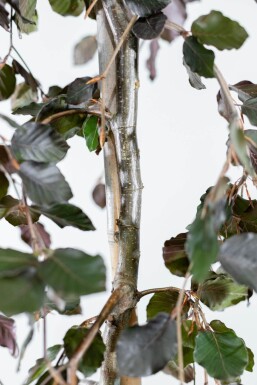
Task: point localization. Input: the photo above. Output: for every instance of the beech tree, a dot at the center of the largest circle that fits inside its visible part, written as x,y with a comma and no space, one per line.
216,255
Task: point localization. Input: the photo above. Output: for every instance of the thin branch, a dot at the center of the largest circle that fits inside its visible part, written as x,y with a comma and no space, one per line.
141,294
90,8
175,27
54,373
85,343
11,38
179,332
206,381
34,242
44,333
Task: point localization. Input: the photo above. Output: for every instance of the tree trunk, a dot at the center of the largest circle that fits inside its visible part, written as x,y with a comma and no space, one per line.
122,171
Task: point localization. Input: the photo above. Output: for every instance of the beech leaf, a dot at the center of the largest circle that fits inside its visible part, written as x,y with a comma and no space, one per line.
150,27
7,82
145,8
198,58
7,334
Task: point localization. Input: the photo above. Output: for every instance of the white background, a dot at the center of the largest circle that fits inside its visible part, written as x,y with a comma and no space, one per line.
182,141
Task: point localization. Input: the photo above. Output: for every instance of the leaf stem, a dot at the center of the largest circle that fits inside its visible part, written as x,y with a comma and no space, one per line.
90,8
34,241
141,294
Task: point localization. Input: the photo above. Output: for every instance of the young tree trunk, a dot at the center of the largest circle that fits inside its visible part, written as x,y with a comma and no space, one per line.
122,170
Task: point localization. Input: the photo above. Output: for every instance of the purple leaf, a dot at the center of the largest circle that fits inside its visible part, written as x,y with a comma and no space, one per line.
176,12
154,48
7,334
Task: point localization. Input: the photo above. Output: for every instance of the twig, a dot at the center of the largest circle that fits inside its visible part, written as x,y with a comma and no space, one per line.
175,27
90,8
141,294
85,111
34,242
85,343
179,333
44,334
55,374
206,381
11,39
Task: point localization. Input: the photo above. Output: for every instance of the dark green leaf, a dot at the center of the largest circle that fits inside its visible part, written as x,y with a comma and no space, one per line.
172,369
72,272
199,59
164,302
66,214
249,108
221,291
146,7
30,109
13,262
4,184
55,105
250,364
71,307
69,126
144,350
175,256
22,96
67,7
220,31
44,183
17,216
90,132
221,352
189,333
85,50
23,293
238,256
93,359
38,142
194,78
6,205
240,145
80,92
28,77
28,10
7,82
41,366
10,121
150,27
245,90
4,18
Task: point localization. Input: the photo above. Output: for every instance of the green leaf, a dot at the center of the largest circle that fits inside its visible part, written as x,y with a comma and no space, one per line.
144,350
146,7
220,31
221,352
164,302
80,92
10,121
7,82
28,10
17,216
238,256
69,126
175,256
72,272
4,184
38,142
90,132
240,145
172,369
249,108
29,109
194,79
93,358
13,262
250,364
55,105
6,204
22,96
23,293
66,214
221,291
244,89
44,183
67,7
41,366
199,59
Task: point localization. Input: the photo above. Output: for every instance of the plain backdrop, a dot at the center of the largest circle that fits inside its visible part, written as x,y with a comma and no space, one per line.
182,141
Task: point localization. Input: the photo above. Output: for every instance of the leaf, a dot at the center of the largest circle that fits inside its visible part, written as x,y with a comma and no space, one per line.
99,195
39,229
41,366
175,256
249,108
144,350
71,307
198,58
22,96
10,121
221,352
90,132
145,8
24,293
27,76
72,272
80,92
69,126
194,78
17,216
4,184
28,10
67,7
15,4
94,357
240,145
162,302
150,27
220,31
221,291
25,344
7,334
66,214
4,18
238,256
85,50
38,142
175,12
29,109
245,90
13,262
7,82
55,105
44,183
151,61
172,369
6,204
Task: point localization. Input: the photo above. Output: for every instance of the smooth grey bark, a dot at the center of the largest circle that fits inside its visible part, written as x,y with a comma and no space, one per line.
122,170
